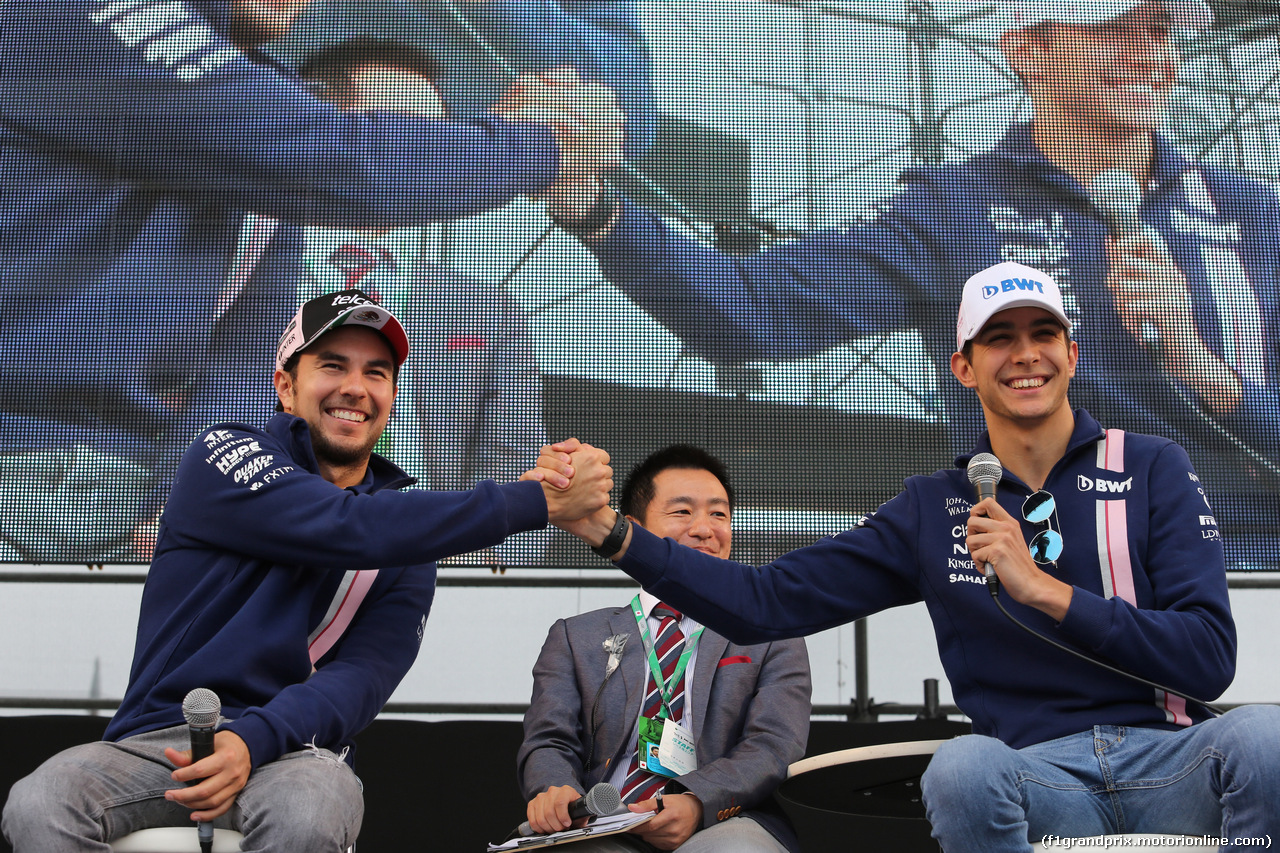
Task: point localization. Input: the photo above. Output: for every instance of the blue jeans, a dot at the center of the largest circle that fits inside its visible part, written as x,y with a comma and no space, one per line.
1219,778
88,795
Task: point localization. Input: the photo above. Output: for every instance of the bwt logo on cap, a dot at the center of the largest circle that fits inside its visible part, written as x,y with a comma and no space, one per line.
1003,286
1011,284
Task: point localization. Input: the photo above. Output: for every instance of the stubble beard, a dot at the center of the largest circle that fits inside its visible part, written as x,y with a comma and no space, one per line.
341,455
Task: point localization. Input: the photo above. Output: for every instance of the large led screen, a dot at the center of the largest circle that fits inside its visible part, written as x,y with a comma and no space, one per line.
820,178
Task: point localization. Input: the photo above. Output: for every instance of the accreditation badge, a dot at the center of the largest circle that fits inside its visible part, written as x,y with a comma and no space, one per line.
677,750
650,752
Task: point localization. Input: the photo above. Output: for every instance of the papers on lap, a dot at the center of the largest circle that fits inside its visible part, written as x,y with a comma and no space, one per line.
607,825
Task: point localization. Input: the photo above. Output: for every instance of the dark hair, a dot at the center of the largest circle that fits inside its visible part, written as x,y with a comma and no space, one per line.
330,69
639,490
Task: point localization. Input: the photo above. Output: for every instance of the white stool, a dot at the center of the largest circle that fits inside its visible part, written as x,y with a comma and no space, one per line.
864,753
178,839
1120,842
175,839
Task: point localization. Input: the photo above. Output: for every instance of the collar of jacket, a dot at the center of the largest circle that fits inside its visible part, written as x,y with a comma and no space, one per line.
294,433
1086,433
1019,150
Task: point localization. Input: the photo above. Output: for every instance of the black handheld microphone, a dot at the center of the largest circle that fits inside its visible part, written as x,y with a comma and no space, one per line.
602,799
984,472
201,708
1116,193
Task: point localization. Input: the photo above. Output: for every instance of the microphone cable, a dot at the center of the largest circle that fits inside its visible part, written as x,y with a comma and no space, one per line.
614,645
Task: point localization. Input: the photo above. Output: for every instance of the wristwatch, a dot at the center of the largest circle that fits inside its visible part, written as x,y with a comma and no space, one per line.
612,543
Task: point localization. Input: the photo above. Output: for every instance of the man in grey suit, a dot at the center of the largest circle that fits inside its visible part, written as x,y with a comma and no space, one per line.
471,407
746,708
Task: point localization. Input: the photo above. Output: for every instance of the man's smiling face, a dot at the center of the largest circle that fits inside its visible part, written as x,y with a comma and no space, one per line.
343,387
1021,364
691,506
1115,76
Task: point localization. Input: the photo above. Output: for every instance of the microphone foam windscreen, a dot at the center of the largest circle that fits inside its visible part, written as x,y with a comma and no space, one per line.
984,466
201,707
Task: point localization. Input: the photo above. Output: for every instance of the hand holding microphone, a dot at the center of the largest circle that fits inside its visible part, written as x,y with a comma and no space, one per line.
201,708
984,472
997,536
602,799
1150,291
216,769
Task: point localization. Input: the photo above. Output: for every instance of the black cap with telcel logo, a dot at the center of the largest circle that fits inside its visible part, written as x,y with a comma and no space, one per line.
345,308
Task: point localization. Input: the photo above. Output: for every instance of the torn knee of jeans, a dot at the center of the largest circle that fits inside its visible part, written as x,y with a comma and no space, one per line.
321,752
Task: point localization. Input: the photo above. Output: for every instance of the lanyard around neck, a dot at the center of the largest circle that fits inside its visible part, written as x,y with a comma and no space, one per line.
655,666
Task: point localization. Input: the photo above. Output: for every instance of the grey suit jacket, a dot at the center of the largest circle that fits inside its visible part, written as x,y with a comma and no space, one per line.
750,707
471,406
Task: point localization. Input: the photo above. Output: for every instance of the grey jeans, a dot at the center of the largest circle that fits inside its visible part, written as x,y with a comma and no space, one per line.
91,794
70,505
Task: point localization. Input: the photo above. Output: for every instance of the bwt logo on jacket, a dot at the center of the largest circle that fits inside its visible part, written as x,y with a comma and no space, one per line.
1101,484
1010,284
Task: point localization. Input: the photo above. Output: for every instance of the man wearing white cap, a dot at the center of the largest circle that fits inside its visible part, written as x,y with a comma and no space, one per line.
1167,267
1099,540
293,579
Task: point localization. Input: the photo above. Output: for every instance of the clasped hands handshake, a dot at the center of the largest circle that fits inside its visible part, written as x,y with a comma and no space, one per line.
588,126
576,479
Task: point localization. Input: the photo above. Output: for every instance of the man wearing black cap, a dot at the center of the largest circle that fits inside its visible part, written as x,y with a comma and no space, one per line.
293,581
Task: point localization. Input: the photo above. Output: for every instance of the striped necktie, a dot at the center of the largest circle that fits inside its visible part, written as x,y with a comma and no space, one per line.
641,784
355,261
